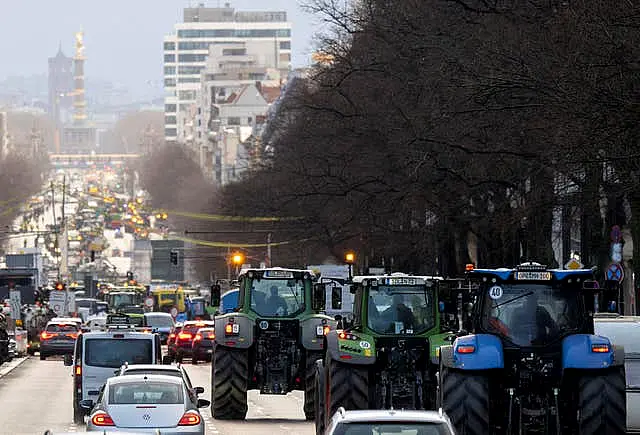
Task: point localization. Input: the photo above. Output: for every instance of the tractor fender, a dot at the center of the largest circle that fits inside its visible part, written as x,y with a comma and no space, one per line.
446,356
243,339
578,352
477,352
309,336
618,355
347,352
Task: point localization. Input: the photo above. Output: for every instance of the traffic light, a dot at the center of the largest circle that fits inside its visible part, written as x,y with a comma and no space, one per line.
60,286
129,276
174,258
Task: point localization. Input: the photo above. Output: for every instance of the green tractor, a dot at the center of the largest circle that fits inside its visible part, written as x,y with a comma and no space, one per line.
270,342
388,357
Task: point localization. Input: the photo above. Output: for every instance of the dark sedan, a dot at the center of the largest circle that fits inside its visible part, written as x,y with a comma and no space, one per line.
58,338
202,345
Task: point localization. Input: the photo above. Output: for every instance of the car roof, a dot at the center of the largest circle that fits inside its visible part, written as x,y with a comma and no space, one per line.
66,319
158,367
391,415
156,314
62,322
146,377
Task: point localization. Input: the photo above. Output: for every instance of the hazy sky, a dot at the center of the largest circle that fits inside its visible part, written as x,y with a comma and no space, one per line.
123,38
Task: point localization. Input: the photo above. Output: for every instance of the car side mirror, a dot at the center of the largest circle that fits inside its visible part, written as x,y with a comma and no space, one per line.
215,295
68,360
202,403
198,390
86,404
319,294
166,360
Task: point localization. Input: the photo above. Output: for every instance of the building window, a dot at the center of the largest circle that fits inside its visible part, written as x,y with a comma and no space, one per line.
190,57
189,69
285,45
256,76
170,120
234,52
193,45
285,57
170,108
169,70
170,132
234,33
187,95
169,46
249,120
233,120
169,58
189,80
184,107
170,82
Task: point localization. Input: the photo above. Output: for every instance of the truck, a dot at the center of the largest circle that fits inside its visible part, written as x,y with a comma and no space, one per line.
270,342
387,358
24,272
531,362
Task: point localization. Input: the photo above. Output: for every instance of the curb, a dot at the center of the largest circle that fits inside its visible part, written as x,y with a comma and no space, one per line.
13,364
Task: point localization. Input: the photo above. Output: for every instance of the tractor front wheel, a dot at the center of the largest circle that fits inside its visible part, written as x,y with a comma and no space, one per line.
465,398
320,392
310,384
602,403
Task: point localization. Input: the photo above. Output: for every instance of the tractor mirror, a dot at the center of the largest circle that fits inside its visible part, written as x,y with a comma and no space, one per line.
352,289
319,294
215,295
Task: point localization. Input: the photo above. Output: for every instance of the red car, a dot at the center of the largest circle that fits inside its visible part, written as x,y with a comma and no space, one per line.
184,339
202,346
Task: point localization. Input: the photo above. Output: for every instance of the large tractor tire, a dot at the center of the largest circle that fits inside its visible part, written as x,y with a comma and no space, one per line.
310,384
320,398
602,403
465,398
348,387
230,382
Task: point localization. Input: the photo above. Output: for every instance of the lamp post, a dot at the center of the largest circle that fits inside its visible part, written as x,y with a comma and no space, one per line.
238,260
350,258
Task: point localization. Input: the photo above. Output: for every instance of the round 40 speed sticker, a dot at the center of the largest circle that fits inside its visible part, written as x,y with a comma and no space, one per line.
495,292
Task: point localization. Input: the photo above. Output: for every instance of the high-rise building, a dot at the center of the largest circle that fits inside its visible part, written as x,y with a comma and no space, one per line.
60,83
186,51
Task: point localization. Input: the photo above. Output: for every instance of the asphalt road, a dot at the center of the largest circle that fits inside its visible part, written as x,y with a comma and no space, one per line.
37,396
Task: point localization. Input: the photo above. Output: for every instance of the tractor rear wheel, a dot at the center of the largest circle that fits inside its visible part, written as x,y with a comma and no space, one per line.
348,387
230,382
320,393
465,398
310,384
602,403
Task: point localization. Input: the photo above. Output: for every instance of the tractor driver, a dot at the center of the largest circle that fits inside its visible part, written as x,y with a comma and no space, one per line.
276,303
534,323
399,312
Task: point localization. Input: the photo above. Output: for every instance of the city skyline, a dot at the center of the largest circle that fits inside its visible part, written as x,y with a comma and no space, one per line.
116,50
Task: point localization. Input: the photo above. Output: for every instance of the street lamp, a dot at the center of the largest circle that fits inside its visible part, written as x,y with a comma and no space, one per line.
238,260
350,258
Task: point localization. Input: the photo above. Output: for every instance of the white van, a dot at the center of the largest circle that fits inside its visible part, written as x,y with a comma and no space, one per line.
99,355
624,331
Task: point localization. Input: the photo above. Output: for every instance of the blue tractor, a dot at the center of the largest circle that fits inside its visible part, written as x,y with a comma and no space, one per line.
532,364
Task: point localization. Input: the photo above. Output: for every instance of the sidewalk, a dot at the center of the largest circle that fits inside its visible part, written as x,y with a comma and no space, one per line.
7,368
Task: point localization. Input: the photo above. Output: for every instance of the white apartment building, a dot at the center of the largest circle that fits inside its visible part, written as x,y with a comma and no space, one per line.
187,49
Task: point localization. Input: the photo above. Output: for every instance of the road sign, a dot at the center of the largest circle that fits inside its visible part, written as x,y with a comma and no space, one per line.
174,312
57,302
148,302
573,264
616,234
616,252
14,303
615,272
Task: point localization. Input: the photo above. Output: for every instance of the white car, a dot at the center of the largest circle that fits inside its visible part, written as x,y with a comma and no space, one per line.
146,403
388,422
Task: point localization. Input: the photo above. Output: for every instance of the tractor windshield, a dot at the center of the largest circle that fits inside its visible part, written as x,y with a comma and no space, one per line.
531,314
277,297
400,309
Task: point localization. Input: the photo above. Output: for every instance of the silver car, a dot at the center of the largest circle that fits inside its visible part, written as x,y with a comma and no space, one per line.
387,422
146,403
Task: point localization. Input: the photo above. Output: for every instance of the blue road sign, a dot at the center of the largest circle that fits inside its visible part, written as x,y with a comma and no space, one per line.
615,272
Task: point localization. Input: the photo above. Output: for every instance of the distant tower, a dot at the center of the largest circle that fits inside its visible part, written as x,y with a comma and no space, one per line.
60,82
79,103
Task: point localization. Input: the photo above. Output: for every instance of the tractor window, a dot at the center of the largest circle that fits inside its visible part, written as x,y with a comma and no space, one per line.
277,297
336,298
531,314
400,310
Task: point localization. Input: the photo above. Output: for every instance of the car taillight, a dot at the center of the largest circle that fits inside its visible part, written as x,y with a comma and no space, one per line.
184,336
172,335
78,370
198,337
47,335
102,419
73,335
212,336
190,418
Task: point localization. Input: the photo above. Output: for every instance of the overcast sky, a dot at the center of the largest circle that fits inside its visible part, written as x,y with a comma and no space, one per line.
123,38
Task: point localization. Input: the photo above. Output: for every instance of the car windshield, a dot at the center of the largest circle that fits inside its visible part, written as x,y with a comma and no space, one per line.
193,328
392,428
531,314
107,352
85,303
145,393
277,297
159,321
400,309
62,328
